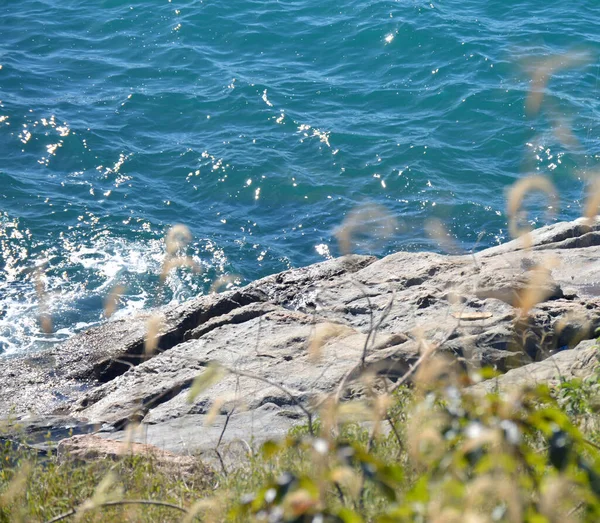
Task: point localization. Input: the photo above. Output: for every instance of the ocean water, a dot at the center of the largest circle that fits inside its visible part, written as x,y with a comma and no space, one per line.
260,126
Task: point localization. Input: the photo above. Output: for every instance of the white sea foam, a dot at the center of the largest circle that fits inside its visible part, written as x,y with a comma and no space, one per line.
77,281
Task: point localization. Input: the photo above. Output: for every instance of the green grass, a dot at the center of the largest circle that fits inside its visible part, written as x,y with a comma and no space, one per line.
531,456
37,489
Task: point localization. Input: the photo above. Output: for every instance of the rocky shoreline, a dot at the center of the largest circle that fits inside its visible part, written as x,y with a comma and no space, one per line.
99,381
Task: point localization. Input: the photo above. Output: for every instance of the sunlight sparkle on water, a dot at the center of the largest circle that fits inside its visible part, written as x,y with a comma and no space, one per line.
323,250
265,99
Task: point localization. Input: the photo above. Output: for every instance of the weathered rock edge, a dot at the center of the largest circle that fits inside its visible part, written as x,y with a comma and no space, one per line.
100,380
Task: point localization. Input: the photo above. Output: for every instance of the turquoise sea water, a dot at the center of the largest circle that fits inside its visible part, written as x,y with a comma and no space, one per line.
260,125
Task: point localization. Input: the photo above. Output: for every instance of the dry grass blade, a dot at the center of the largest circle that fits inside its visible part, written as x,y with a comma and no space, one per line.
112,300
486,491
347,478
424,438
437,231
214,373
17,486
381,405
563,131
354,411
180,261
436,370
427,351
212,414
133,430
545,70
46,323
154,325
224,281
575,327
558,500
104,493
42,295
323,333
373,221
299,503
178,237
539,287
592,202
517,194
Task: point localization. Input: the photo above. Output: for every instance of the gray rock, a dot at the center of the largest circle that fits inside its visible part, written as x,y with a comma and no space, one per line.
263,334
580,362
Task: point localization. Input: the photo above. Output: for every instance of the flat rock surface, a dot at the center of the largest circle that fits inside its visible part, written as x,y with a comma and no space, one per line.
289,338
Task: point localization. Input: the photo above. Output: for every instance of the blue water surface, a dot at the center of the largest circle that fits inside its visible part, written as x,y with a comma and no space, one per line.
260,125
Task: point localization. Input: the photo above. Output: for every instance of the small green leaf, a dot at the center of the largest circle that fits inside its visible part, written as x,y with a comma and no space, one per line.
392,473
307,483
420,492
270,448
349,516
488,373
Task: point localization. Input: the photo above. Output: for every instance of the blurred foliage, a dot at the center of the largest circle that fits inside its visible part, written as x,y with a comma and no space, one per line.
35,487
461,456
439,451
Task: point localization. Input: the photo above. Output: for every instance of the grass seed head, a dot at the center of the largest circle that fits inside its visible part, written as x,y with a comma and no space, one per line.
541,74
322,334
592,202
438,232
43,297
489,491
17,486
539,287
112,300
154,326
106,491
370,223
171,263
348,479
226,281
516,196
214,411
178,237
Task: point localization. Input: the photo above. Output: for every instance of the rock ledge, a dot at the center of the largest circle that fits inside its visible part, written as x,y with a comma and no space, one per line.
100,380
